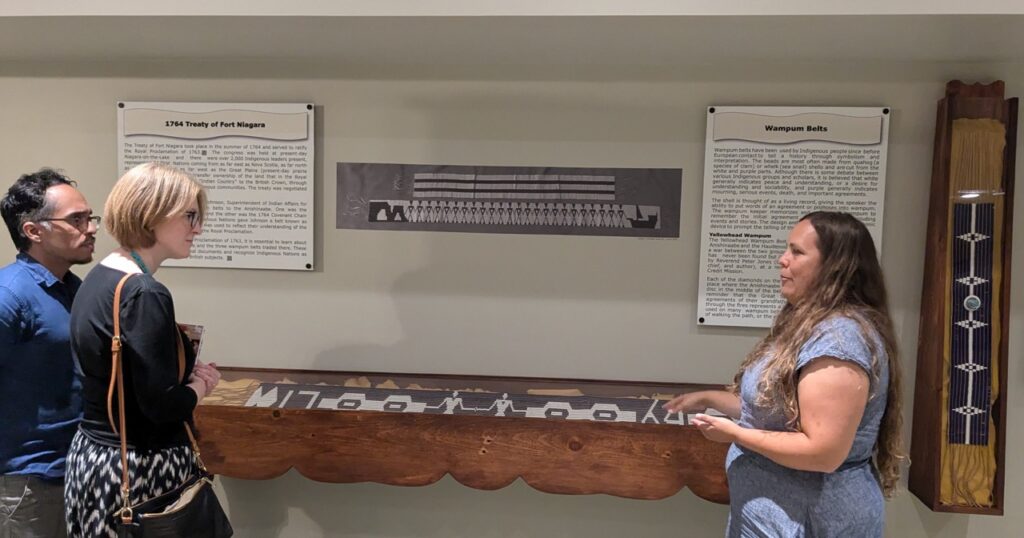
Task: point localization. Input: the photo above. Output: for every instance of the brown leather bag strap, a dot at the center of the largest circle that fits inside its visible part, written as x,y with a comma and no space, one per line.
115,354
181,377
115,351
181,355
117,378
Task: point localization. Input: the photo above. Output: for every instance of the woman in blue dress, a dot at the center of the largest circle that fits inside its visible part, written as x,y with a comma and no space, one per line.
816,441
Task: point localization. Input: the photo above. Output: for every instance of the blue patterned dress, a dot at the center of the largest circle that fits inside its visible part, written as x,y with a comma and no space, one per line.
770,500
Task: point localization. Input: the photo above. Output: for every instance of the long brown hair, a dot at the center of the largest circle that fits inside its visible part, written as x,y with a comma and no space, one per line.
849,283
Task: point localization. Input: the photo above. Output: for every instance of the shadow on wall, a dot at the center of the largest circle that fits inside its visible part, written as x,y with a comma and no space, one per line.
934,524
446,509
547,306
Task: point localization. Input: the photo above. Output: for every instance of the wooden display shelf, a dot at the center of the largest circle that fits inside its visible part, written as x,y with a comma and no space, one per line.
628,459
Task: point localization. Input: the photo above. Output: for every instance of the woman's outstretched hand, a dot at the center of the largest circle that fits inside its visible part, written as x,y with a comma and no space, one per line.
686,403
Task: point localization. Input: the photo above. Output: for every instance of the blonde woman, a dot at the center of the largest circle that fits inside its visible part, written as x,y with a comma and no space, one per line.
154,212
816,444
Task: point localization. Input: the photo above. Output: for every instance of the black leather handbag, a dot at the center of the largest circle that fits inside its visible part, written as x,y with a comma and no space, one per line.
189,510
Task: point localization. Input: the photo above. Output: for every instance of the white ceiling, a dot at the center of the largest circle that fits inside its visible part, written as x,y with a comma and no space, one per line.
495,8
515,44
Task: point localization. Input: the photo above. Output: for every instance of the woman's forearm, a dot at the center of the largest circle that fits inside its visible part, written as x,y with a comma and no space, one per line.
724,401
793,449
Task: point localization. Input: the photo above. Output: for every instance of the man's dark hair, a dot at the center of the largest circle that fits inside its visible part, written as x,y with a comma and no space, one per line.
26,201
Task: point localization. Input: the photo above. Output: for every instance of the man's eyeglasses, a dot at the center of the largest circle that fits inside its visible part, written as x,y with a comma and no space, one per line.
80,221
193,218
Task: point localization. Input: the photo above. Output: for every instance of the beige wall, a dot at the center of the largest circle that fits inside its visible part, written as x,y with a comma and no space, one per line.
586,307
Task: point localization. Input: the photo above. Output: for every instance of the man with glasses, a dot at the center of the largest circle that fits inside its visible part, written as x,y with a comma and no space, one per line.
53,228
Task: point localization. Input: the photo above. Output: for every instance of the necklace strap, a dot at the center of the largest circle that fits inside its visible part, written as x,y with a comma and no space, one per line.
138,261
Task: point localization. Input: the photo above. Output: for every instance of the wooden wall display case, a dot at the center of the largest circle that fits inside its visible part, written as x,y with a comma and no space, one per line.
958,450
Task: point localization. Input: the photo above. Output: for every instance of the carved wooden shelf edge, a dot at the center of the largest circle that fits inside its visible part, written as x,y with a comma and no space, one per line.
637,461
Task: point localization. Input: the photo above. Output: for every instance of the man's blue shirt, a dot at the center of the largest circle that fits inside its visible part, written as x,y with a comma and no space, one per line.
40,390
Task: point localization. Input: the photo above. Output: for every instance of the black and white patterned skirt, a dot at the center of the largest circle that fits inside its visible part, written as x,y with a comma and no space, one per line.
92,485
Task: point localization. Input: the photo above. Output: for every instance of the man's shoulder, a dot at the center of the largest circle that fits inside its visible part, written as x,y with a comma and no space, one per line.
9,268
12,297
13,276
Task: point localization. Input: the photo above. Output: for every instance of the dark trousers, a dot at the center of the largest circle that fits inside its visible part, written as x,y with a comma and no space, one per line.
31,507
